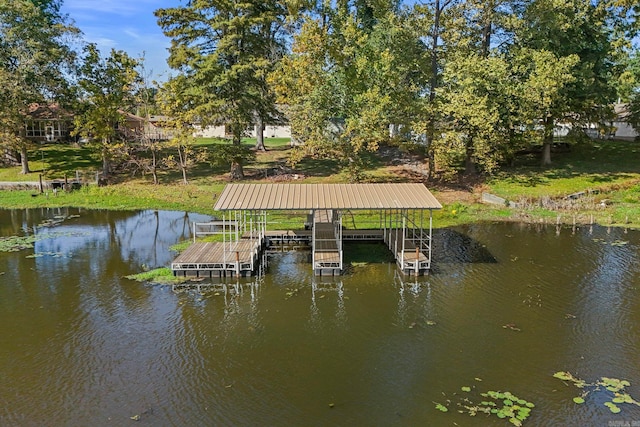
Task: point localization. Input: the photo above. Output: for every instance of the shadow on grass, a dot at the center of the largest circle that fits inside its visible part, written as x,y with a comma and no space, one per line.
61,159
597,162
318,167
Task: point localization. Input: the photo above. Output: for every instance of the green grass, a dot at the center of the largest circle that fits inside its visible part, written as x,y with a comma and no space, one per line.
595,165
162,276
54,161
612,168
127,196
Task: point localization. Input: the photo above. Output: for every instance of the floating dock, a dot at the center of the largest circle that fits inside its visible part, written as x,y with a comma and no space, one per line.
214,259
243,227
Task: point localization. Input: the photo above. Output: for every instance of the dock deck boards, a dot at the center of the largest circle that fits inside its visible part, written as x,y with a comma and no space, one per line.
215,252
203,258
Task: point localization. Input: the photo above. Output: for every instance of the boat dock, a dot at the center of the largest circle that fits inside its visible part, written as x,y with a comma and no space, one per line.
243,227
215,259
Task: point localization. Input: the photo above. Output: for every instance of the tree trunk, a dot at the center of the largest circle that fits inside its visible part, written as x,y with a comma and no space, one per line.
154,166
546,154
182,156
24,160
105,162
260,134
548,140
469,163
237,171
184,174
433,84
486,39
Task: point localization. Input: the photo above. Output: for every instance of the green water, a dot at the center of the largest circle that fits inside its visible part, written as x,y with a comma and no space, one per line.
81,345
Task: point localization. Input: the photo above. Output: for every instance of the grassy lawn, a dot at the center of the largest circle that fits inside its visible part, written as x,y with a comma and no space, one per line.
609,171
598,165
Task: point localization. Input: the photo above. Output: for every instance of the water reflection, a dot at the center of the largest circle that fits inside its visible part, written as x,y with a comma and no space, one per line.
322,287
81,345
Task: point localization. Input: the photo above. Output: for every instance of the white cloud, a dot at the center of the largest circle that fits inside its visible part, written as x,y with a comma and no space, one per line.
116,7
132,33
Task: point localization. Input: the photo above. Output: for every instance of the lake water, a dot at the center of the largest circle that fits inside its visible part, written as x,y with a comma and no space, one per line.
506,306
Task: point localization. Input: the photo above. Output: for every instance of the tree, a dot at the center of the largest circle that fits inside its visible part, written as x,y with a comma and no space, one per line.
352,73
176,103
477,98
107,88
35,60
565,28
432,19
226,50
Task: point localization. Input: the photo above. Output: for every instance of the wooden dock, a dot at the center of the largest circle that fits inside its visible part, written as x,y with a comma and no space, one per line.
241,258
217,259
401,209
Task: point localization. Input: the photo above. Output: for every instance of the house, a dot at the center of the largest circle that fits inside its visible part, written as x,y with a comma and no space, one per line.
275,127
48,123
136,128
621,127
270,131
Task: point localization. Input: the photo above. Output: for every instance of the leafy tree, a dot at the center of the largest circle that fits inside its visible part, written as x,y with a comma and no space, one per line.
476,104
176,103
351,74
35,60
225,49
565,28
630,90
107,88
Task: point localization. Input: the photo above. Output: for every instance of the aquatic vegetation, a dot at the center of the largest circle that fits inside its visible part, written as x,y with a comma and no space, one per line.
18,243
51,254
613,388
504,405
616,242
441,407
161,276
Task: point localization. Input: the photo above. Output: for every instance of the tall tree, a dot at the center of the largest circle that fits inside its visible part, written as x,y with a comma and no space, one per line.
432,19
478,93
225,49
565,28
107,89
349,78
476,101
176,103
35,61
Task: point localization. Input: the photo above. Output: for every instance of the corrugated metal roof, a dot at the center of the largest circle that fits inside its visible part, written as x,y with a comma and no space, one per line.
325,196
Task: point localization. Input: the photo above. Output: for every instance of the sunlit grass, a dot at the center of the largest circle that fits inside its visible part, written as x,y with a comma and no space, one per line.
611,168
591,166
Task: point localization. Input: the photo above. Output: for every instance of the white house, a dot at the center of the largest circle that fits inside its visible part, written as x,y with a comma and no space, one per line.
270,131
623,130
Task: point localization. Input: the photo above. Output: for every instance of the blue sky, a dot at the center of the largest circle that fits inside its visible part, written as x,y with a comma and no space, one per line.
127,25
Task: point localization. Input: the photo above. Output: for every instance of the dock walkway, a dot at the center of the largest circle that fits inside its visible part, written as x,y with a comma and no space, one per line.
217,259
241,258
409,257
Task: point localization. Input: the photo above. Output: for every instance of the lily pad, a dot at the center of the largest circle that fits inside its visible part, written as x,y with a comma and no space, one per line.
515,421
441,407
578,400
612,407
467,389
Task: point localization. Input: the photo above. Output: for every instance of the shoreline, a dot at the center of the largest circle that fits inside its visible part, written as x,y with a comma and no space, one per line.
457,209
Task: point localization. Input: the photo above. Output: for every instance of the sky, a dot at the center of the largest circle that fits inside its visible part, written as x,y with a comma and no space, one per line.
127,25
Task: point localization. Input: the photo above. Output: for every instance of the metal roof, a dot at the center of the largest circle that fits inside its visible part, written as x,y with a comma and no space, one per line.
325,196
